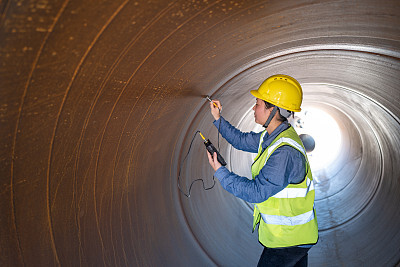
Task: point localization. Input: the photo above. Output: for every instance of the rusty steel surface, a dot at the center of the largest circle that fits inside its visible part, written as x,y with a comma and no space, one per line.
99,101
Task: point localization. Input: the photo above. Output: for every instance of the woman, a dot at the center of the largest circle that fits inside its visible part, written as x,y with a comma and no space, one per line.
281,186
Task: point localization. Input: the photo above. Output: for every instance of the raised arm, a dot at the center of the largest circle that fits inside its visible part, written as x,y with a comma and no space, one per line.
243,141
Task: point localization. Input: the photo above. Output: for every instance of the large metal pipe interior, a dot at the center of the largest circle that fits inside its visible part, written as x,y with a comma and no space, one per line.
100,100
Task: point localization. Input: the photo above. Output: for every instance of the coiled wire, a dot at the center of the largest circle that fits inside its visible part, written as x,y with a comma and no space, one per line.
200,179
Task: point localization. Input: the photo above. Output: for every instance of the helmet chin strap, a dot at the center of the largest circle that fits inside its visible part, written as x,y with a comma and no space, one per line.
273,112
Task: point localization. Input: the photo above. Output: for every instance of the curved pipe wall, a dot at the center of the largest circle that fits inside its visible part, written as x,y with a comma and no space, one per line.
99,103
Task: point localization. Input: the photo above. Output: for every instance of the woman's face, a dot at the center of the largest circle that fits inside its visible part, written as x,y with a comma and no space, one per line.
261,113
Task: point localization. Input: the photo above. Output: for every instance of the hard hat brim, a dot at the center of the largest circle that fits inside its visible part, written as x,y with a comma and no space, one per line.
256,94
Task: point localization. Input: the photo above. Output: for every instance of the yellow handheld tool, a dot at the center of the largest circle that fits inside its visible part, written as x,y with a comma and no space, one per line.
209,99
211,149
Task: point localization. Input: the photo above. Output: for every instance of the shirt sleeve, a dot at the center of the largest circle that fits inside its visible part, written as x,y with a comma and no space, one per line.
286,165
248,142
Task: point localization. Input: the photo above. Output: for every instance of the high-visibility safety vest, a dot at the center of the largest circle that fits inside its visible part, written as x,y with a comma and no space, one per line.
287,218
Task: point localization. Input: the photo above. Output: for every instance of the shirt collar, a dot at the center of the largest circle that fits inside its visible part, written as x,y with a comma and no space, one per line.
269,138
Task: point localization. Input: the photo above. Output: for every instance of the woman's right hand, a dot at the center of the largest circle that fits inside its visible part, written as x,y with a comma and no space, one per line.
215,107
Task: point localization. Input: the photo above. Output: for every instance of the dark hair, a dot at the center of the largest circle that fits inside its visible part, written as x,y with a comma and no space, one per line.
280,117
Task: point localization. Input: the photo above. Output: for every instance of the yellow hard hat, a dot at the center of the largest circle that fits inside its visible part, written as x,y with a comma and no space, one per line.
282,91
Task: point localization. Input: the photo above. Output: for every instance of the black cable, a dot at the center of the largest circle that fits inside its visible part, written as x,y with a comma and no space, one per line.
179,174
219,127
180,169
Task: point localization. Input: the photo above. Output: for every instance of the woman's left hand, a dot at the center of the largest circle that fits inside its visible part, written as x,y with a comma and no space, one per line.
213,161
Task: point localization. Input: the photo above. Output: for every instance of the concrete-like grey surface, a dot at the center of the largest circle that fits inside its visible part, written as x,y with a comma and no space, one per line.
99,102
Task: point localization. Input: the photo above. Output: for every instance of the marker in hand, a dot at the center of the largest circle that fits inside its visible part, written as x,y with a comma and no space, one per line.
209,99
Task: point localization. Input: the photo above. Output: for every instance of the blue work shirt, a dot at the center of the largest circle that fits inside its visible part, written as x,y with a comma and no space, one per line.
285,165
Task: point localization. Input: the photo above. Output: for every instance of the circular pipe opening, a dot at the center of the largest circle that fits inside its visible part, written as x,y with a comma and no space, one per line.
346,124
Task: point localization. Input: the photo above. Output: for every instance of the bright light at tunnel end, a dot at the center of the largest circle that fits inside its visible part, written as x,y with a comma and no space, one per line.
326,133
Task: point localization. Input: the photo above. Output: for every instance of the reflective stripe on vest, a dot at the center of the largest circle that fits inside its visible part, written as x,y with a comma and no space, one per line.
290,221
261,140
286,140
291,192
277,143
295,192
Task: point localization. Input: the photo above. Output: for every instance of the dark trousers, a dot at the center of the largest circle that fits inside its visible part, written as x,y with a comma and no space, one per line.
284,257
